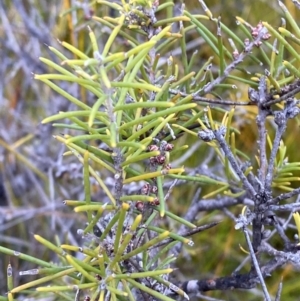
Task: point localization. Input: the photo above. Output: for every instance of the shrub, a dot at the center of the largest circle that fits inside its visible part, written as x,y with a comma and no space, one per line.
140,127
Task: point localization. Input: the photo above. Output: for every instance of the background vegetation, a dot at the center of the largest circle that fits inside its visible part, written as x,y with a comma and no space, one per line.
36,178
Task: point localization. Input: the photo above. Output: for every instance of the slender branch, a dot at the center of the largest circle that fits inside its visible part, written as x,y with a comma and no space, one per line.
287,207
256,265
278,294
221,203
214,204
248,280
232,66
263,194
262,133
206,100
189,216
186,234
228,153
284,196
281,232
281,121
235,281
282,257
239,281
286,96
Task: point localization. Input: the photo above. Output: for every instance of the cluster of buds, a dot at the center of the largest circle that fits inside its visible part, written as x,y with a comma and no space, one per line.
255,31
142,15
164,147
139,205
161,158
155,202
147,189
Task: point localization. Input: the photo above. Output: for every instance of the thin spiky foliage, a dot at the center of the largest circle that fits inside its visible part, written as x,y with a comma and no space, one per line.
139,104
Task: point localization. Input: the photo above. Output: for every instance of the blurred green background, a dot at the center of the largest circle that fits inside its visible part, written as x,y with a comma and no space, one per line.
35,179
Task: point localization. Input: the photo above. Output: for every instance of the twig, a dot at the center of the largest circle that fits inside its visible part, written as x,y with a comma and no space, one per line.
256,265
220,203
239,281
235,63
281,121
211,101
221,78
284,97
281,257
187,234
189,216
278,293
118,157
242,264
235,281
284,196
228,153
167,196
262,133
281,232
287,207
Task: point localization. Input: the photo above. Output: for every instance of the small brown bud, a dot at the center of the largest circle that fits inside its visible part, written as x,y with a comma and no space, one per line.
155,202
139,206
160,159
154,189
168,166
145,189
153,160
152,147
169,147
